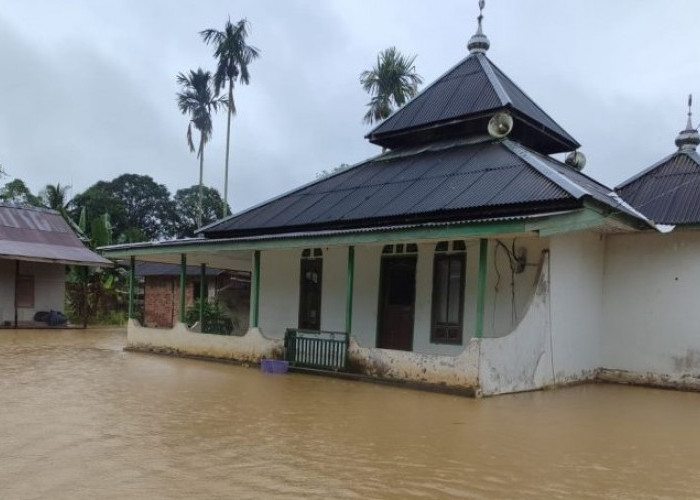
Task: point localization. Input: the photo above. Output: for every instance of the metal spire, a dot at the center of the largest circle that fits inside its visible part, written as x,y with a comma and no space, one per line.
689,138
479,43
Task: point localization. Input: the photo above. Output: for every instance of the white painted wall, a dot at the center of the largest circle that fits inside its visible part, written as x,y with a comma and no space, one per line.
365,297
279,291
333,289
652,304
507,296
577,267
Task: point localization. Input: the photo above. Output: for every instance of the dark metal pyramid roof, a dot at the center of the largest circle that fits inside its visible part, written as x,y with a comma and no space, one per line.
455,180
461,101
668,192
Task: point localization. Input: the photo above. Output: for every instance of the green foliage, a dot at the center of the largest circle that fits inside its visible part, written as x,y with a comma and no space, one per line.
54,196
136,204
391,83
213,318
186,201
96,297
16,192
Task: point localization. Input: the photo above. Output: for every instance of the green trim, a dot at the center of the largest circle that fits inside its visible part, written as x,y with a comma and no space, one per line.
202,284
349,289
473,230
132,280
183,274
481,287
255,290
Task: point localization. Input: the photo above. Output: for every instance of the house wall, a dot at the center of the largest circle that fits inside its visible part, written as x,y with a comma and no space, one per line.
7,291
279,291
577,281
162,298
49,289
651,326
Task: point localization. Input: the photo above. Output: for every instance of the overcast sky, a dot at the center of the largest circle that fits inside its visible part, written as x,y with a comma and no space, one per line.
87,88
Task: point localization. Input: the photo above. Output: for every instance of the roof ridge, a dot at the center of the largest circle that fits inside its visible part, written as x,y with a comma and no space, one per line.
690,154
486,65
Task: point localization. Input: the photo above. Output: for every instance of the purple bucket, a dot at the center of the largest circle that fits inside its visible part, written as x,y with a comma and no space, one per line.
274,365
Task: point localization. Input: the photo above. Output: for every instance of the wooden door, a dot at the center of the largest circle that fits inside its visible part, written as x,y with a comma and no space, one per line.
397,294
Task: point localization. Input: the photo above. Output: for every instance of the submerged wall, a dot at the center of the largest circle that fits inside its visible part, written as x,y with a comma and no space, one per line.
651,326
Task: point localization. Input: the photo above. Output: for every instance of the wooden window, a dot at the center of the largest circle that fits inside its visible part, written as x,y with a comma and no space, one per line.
24,293
310,289
448,295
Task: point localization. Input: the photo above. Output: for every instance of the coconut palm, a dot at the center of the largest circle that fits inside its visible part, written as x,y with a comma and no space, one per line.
391,83
233,56
198,99
55,196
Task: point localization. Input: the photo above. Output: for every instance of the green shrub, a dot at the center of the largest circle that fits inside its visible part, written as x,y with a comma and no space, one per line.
213,318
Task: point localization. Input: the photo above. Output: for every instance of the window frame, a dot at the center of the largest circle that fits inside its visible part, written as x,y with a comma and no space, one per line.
435,327
316,256
25,291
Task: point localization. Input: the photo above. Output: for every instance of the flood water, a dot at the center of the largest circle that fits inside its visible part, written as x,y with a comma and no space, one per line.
82,419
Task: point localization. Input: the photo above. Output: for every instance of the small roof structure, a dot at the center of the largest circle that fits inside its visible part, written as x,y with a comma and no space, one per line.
42,235
668,192
462,101
165,269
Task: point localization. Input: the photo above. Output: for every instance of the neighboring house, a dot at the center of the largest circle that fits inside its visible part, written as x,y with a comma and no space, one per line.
161,292
36,245
465,256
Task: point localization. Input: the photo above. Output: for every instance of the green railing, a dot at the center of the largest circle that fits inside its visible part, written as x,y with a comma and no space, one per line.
322,350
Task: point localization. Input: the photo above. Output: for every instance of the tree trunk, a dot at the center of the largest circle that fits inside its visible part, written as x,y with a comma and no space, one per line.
229,107
201,180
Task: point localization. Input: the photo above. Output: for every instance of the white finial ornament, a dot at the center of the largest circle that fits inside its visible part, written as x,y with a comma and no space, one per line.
479,43
689,138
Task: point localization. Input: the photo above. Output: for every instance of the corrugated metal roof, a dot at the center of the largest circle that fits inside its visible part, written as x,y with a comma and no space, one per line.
439,182
669,191
473,87
28,233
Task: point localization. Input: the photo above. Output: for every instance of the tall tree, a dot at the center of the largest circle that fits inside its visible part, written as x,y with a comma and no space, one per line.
186,209
16,192
391,83
139,208
198,100
233,57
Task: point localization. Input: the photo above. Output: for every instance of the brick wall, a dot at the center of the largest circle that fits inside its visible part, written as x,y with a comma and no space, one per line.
162,300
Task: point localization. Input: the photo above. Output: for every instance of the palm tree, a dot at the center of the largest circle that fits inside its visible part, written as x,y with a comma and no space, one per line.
391,83
233,56
55,196
198,99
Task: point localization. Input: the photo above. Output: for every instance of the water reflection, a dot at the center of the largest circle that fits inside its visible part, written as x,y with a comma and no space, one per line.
83,419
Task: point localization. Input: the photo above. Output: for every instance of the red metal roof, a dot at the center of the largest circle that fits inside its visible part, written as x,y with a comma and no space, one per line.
38,234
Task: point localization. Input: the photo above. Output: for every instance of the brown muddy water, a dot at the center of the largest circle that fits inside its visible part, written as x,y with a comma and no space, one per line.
82,419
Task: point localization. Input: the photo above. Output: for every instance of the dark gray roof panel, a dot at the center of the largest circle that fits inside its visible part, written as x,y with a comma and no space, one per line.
471,89
449,179
668,192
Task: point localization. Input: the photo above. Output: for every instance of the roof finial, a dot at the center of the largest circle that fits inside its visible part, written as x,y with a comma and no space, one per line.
689,138
479,43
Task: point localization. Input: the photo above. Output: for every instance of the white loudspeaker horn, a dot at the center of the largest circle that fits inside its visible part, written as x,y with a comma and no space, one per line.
500,125
576,160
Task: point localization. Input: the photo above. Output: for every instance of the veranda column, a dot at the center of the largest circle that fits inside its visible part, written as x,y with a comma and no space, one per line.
202,282
255,290
348,290
183,274
132,279
481,287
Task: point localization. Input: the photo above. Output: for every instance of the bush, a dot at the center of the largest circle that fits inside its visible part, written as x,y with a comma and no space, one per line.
213,318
